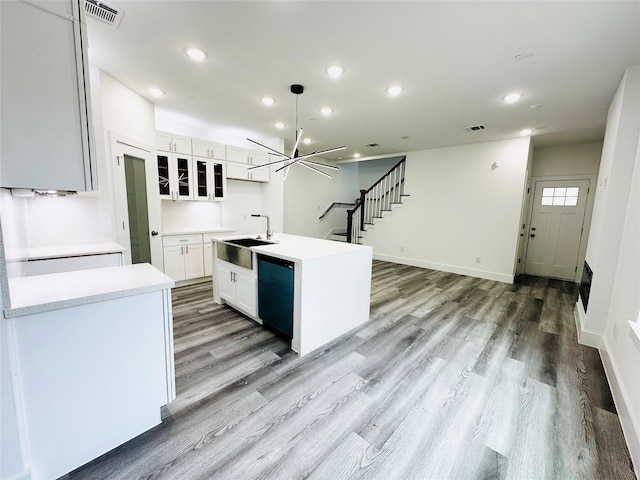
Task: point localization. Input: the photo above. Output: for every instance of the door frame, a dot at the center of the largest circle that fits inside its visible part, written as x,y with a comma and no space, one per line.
118,143
586,225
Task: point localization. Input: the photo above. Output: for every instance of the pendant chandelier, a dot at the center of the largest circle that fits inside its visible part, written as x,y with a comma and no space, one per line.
295,158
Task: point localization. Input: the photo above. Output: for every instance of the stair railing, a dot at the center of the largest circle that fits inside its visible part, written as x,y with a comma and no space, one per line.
388,190
333,218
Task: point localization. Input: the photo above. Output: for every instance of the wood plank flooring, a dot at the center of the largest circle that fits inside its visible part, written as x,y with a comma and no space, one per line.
453,378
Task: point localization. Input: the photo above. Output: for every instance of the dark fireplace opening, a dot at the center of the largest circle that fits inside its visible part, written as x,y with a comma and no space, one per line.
585,285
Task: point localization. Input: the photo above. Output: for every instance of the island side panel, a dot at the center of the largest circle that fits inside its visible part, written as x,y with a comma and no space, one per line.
92,377
334,297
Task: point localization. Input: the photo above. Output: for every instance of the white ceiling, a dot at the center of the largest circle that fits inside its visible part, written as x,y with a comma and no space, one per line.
456,60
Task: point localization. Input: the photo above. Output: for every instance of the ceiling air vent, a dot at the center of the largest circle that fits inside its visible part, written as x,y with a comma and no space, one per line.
104,12
474,128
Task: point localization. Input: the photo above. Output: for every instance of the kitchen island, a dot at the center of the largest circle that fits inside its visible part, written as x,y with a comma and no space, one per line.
331,285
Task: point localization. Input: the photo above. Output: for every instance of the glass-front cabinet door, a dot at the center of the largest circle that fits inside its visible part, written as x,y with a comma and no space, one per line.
202,179
164,176
210,179
219,183
174,176
183,176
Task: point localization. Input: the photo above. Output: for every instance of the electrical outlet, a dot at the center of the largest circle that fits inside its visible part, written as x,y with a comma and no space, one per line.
615,331
478,259
402,249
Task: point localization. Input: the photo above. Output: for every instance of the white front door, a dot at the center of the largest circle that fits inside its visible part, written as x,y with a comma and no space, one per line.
555,229
138,217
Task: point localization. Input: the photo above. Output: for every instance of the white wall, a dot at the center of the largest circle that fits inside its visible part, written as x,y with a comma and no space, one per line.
190,216
614,255
346,183
614,182
463,216
306,195
370,171
580,159
620,345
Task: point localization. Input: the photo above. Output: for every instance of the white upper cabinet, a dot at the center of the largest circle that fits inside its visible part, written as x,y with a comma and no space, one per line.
171,142
45,113
205,148
175,176
240,161
211,179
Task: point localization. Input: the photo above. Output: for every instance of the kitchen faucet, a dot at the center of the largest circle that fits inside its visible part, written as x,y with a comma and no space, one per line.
269,232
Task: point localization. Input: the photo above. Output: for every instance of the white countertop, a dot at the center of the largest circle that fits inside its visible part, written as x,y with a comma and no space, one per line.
195,231
42,293
63,251
298,248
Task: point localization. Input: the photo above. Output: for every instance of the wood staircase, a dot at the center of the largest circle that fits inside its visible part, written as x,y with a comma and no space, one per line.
379,200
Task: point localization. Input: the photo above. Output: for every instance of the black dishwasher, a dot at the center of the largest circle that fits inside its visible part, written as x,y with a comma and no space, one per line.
275,294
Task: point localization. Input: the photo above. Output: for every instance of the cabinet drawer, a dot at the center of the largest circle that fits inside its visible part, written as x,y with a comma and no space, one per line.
177,240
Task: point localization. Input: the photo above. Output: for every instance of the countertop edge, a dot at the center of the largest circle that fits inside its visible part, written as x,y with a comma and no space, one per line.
76,302
122,281
199,231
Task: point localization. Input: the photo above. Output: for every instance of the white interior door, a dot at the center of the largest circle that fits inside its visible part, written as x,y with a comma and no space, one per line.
139,233
555,229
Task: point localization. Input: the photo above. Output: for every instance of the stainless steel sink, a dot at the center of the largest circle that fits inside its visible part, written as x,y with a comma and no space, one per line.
237,251
248,242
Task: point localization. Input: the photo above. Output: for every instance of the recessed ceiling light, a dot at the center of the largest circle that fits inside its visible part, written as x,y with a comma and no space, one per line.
326,111
535,105
512,97
356,155
335,70
394,90
196,54
279,125
306,141
267,101
156,92
526,132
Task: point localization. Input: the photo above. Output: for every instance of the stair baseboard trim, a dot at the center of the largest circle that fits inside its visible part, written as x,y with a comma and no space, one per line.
470,272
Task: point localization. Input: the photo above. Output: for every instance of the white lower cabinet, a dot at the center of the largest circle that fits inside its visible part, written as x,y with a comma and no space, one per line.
238,287
183,256
207,245
91,376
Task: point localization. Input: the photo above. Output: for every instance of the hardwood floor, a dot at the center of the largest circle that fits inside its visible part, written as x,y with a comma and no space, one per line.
453,378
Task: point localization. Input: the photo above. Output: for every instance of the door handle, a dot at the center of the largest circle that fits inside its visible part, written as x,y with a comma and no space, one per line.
532,235
154,233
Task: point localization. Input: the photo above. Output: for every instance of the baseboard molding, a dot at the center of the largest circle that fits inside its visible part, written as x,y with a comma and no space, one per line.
470,272
585,337
630,424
